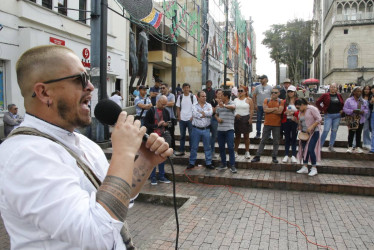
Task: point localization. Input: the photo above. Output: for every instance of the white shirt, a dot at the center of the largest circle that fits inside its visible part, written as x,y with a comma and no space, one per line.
198,120
186,110
117,99
241,107
45,199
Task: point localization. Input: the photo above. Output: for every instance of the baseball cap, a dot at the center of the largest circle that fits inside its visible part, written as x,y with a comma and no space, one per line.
291,88
142,87
263,76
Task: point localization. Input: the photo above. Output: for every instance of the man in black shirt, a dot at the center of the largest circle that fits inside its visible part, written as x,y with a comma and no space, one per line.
209,91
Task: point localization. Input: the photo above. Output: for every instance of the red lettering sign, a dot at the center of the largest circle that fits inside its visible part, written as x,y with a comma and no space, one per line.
86,53
57,41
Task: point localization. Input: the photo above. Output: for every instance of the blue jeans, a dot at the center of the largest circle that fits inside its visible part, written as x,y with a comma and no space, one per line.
290,134
196,135
213,130
372,132
223,138
260,114
161,170
311,147
183,125
332,122
366,133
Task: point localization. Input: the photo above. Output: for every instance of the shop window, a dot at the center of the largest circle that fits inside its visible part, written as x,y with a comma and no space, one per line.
47,4
82,10
352,60
62,5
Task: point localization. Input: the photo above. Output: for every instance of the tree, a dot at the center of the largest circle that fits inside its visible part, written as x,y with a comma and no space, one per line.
290,44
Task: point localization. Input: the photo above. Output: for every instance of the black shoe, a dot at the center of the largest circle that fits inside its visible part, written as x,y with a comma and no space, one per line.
190,166
210,166
233,169
275,160
222,167
256,159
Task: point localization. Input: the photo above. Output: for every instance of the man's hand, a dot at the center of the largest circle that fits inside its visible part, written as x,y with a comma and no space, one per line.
155,150
127,134
203,114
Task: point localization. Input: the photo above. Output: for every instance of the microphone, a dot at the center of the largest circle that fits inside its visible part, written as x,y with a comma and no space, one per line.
107,112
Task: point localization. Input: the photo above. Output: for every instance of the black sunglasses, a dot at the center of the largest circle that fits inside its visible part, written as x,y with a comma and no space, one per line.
290,91
84,77
240,90
275,92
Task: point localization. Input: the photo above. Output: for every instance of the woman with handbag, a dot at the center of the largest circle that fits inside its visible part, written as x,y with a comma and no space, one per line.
289,122
243,119
309,136
355,109
157,120
331,104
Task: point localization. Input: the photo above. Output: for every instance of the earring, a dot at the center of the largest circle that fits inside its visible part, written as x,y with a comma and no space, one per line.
48,103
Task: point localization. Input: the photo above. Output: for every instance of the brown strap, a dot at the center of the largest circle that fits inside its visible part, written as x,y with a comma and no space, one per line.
86,169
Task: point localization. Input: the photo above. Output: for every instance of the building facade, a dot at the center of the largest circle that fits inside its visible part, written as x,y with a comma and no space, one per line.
348,50
29,23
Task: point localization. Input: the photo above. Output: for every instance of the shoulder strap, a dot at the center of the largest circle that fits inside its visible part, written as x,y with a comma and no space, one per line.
191,98
145,102
86,170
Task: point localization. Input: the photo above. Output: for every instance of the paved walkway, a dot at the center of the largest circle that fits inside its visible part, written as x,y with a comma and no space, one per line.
218,219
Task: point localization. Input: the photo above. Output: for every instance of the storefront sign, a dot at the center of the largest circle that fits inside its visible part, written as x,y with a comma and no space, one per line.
56,41
86,53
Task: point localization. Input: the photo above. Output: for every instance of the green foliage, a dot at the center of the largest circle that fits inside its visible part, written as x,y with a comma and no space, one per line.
290,44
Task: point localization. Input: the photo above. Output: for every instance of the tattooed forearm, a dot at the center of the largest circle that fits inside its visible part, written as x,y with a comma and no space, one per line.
114,194
138,176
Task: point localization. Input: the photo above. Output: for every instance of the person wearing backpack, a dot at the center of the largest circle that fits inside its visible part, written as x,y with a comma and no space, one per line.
273,108
184,115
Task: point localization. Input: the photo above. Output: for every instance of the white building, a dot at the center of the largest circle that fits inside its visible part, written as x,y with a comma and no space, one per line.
29,23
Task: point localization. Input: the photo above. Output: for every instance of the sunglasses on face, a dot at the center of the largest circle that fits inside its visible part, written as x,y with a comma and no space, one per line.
290,91
83,76
274,92
240,90
162,88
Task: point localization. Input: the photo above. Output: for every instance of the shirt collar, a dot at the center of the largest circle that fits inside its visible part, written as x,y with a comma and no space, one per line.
60,134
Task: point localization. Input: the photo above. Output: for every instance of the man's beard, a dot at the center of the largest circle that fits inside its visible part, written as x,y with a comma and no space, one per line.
66,113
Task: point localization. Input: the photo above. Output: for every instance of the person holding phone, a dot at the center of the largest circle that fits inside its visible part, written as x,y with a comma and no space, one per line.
356,106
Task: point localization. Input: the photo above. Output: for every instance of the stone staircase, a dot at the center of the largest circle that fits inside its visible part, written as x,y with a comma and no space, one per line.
338,172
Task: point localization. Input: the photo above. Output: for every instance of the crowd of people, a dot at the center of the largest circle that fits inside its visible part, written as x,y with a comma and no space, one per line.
225,117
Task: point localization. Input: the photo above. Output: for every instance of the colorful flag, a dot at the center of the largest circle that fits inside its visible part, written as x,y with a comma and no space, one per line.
154,18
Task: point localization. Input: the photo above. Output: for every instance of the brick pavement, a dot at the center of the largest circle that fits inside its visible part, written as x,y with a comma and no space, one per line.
218,219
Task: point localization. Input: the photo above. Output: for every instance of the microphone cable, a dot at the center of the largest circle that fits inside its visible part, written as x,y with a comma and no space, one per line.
175,203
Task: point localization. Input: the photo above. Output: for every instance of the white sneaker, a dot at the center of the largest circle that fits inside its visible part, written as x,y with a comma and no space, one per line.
293,159
236,154
285,159
359,150
214,157
350,150
313,171
303,170
247,155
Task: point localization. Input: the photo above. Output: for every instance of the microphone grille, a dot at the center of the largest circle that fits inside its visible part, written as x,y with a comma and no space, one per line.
107,111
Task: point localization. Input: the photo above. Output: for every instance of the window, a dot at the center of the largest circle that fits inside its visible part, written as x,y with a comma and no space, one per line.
352,59
62,5
47,4
82,10
345,31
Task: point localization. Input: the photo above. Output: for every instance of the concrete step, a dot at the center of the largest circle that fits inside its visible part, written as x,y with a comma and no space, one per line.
341,153
327,183
328,166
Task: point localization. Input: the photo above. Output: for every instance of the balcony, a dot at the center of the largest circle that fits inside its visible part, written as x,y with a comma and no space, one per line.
160,57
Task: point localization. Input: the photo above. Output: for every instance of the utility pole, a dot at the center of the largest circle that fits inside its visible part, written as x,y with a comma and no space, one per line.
205,64
322,44
96,130
174,57
226,42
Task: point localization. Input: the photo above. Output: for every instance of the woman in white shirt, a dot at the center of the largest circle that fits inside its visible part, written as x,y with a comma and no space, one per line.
243,119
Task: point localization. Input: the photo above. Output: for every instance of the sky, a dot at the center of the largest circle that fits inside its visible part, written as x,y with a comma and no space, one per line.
264,13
